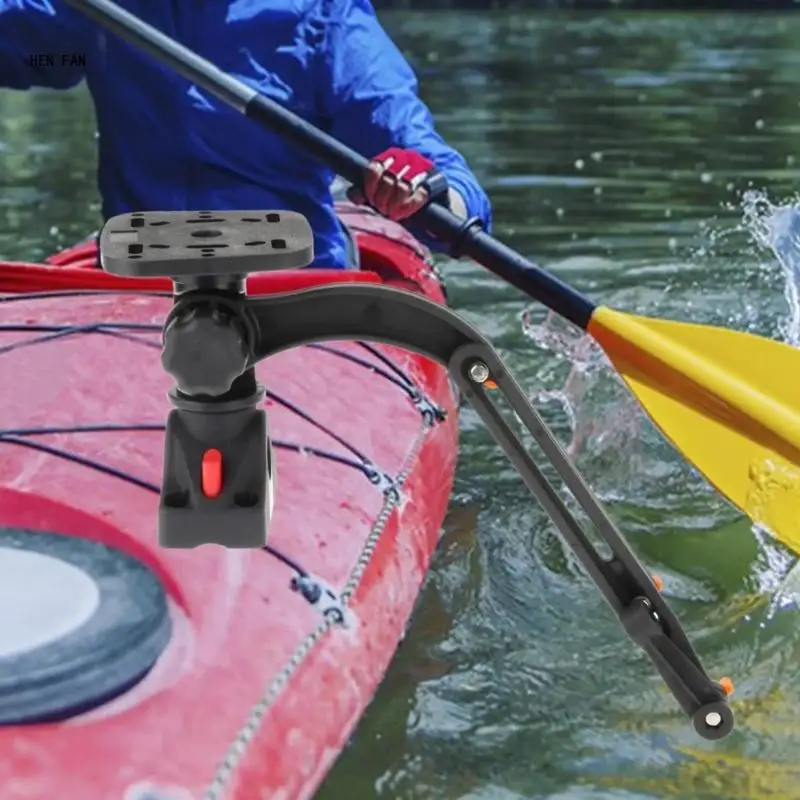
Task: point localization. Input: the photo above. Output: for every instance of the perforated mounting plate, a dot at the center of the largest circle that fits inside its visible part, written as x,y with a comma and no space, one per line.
183,243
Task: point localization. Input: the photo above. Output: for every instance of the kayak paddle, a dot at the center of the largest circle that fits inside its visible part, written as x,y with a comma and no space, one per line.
725,399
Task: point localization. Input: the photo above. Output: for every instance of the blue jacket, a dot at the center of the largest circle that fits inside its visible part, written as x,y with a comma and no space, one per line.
166,145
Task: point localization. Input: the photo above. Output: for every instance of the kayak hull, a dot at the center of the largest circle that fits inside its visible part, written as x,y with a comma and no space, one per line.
247,689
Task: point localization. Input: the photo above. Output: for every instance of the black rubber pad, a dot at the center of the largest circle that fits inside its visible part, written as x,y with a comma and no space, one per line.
107,655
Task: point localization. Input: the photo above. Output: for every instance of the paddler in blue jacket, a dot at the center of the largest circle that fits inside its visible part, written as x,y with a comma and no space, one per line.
164,144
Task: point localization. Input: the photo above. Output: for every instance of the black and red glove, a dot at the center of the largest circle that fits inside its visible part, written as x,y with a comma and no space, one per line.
400,182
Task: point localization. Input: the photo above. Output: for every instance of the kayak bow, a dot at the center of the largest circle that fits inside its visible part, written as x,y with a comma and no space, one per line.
253,690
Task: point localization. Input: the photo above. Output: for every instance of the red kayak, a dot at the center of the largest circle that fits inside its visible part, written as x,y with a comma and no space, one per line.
129,672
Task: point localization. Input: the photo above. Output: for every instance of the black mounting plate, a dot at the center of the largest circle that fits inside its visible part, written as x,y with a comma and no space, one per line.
188,243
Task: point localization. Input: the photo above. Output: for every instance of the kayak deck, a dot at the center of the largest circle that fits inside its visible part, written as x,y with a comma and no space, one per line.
231,683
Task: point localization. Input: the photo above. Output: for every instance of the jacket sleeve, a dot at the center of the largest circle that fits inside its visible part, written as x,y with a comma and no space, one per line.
372,103
39,45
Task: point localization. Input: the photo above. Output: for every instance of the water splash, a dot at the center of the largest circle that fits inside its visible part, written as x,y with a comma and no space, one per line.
777,227
587,367
604,424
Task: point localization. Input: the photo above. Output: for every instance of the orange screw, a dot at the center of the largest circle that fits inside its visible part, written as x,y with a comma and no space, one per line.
658,583
726,684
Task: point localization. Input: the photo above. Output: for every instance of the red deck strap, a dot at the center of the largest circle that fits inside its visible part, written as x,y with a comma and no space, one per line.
18,277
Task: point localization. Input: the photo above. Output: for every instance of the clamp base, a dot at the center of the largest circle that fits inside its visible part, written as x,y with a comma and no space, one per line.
218,485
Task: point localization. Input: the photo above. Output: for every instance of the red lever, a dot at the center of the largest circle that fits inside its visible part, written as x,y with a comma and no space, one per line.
211,478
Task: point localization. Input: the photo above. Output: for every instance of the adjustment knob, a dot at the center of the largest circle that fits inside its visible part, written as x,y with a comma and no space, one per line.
205,351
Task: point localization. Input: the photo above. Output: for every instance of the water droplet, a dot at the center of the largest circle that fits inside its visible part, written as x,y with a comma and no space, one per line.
789,161
759,124
672,244
597,156
580,164
560,213
757,92
598,190
668,213
706,177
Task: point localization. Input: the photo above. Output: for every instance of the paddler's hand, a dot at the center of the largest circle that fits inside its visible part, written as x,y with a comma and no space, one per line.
400,182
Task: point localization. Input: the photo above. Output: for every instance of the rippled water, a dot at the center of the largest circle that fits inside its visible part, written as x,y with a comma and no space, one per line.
650,160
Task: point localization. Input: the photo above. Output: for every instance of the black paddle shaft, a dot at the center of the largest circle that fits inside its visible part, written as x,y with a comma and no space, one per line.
465,236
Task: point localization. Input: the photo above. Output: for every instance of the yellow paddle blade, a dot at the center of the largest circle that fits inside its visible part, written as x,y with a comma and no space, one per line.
729,401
